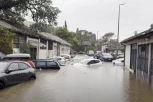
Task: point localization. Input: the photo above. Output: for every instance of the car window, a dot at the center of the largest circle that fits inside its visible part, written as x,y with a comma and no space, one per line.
51,63
23,66
58,59
97,61
3,66
13,67
92,62
41,63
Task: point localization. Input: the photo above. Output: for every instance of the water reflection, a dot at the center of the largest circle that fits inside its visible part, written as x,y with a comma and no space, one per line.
137,89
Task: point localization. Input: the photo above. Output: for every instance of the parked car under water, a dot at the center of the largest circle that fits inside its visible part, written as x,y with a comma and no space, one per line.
14,72
60,60
46,64
106,57
19,57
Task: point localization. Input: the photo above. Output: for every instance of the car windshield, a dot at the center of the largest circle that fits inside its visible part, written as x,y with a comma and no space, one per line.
3,65
106,54
84,61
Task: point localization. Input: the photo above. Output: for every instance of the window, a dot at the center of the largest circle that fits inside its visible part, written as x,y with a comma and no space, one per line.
58,59
13,67
41,63
23,66
92,62
51,63
97,61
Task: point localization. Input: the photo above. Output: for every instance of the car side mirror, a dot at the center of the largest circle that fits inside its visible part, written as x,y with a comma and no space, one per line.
8,71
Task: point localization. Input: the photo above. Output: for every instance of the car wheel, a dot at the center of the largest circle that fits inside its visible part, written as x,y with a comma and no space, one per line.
33,78
113,63
2,86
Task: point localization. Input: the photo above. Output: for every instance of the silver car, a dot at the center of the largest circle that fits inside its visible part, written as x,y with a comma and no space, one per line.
59,59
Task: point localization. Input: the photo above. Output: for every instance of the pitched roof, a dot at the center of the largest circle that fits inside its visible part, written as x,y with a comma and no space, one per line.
146,33
23,30
54,38
6,25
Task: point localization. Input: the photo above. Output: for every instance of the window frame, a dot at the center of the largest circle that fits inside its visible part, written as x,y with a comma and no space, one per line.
23,63
8,68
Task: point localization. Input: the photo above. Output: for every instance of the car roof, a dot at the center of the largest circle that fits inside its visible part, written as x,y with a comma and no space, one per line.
18,55
91,59
43,60
65,54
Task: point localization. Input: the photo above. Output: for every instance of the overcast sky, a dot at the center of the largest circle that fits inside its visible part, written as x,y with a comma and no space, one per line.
102,15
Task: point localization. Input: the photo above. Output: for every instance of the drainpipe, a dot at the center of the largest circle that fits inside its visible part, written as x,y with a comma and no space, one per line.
47,49
124,53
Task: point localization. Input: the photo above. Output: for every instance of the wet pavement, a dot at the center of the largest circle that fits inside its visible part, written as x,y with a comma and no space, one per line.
106,83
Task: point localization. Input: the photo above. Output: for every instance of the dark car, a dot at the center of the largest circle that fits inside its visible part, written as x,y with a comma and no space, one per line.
106,57
15,72
46,64
19,57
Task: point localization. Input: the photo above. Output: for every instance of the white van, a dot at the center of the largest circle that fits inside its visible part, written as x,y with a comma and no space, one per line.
91,53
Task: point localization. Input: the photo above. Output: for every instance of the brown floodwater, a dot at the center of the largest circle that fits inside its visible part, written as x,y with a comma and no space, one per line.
105,83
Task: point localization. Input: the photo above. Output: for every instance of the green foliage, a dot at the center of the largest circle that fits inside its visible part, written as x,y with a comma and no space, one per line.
63,33
41,11
65,25
6,40
24,48
42,28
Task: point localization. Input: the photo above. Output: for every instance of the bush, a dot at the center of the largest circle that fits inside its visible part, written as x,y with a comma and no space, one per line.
6,40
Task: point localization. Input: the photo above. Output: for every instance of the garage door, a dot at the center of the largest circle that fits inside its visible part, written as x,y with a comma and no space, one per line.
143,51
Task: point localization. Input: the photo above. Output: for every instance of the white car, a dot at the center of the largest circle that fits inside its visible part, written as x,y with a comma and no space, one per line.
89,62
119,61
59,59
66,56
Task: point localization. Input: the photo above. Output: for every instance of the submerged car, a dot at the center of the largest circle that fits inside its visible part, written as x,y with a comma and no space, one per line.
66,56
15,72
106,57
46,64
119,61
89,62
60,60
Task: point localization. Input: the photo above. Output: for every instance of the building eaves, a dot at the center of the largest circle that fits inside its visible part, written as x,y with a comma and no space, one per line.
138,36
54,38
17,30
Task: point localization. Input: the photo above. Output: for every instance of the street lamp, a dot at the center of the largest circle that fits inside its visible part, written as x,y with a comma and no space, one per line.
118,26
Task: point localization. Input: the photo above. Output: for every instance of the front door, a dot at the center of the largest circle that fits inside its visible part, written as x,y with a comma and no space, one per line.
133,56
13,76
24,73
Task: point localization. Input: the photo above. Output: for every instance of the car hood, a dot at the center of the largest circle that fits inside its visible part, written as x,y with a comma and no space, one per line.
2,74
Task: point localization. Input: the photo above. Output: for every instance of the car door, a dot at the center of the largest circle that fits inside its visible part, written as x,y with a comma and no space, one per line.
41,64
25,73
91,63
13,74
52,65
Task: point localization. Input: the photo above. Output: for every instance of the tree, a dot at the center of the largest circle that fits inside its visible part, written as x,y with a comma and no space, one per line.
63,33
42,28
65,24
24,48
41,11
6,40
108,35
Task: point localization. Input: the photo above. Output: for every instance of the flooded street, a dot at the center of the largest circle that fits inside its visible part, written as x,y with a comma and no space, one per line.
106,83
